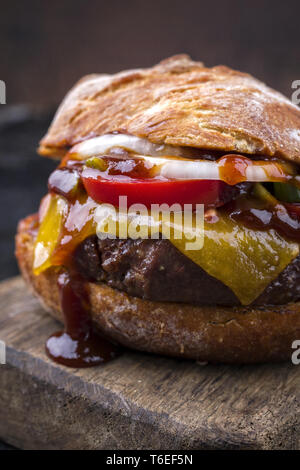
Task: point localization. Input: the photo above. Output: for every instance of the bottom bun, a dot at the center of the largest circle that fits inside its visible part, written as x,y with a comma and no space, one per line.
208,334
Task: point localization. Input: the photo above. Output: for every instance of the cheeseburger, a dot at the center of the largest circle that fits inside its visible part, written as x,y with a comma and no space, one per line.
216,142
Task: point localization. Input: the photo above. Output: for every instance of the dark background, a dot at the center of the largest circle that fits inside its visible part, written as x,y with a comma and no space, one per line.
45,46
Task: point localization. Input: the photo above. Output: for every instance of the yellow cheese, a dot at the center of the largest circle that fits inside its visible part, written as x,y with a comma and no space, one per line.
244,259
49,234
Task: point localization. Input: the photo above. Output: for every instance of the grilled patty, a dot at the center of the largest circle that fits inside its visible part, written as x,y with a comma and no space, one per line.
156,270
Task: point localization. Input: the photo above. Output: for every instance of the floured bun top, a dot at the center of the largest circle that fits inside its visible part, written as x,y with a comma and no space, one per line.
183,103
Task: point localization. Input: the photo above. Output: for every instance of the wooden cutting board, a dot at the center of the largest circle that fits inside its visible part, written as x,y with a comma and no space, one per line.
138,401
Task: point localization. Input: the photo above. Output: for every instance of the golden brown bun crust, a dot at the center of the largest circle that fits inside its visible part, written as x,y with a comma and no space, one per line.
225,335
179,102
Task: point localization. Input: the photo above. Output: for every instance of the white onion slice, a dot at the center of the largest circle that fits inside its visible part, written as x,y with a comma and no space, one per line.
104,143
208,170
181,170
174,168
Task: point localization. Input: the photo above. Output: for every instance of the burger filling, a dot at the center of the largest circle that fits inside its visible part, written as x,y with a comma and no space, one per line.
250,252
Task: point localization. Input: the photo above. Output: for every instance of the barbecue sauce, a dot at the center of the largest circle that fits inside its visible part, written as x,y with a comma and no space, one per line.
78,345
233,169
260,215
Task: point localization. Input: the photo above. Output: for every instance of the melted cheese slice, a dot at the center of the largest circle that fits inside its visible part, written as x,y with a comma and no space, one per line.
245,260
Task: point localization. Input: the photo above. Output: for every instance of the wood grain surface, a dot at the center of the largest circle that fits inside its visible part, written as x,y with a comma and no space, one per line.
137,401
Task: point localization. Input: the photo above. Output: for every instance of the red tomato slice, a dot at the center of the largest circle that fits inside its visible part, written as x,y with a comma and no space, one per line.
152,191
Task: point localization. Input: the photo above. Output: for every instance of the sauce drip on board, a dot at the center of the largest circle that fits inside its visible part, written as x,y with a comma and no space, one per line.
78,345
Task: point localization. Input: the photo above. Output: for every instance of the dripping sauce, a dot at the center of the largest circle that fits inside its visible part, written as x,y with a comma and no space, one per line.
261,215
78,345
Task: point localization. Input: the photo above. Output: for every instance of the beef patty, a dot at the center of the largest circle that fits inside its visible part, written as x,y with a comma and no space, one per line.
156,270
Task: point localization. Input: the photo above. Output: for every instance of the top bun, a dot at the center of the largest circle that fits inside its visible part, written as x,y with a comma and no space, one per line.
179,102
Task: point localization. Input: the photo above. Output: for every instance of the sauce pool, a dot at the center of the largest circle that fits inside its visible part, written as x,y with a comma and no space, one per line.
78,345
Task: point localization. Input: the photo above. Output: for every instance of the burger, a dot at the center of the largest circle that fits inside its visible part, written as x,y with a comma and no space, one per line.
178,133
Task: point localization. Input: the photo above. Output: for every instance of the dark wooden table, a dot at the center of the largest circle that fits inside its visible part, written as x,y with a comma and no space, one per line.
138,401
